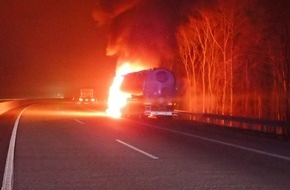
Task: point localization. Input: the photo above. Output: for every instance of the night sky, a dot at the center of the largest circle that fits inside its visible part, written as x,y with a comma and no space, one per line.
59,46
51,47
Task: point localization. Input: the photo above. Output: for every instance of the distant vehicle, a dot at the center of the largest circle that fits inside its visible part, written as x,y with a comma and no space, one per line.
153,93
87,96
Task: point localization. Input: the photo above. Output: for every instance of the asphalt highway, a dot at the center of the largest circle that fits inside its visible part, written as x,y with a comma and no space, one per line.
70,146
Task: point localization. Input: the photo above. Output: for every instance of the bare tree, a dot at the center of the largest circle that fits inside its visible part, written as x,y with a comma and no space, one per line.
276,50
186,40
214,35
236,54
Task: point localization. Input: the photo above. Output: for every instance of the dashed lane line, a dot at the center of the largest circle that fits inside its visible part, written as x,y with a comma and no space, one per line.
137,149
79,121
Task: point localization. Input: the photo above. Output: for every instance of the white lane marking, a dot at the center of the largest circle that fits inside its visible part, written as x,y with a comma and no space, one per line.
7,183
79,121
223,143
137,149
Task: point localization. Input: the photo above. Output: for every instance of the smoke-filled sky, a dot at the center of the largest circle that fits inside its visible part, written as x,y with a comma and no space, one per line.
142,30
51,47
59,46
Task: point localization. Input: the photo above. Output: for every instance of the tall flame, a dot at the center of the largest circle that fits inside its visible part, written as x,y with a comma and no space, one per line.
118,99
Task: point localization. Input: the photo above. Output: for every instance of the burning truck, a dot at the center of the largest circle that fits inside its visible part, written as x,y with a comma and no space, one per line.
152,91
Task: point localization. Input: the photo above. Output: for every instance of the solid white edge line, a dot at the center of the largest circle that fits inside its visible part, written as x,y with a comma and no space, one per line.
137,149
223,143
7,183
79,121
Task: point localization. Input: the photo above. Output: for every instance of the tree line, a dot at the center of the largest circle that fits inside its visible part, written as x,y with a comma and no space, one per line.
235,58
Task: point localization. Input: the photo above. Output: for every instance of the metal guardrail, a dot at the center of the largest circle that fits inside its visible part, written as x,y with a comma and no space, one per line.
6,105
281,128
9,104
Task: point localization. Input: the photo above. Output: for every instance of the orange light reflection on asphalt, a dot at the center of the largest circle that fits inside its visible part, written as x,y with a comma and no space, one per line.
67,113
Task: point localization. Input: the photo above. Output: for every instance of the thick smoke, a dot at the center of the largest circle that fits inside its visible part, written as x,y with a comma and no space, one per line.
142,30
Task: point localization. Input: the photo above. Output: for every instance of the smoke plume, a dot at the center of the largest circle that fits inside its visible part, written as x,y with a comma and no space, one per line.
142,30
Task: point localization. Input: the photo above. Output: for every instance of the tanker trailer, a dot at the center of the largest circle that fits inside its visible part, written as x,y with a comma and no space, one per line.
153,93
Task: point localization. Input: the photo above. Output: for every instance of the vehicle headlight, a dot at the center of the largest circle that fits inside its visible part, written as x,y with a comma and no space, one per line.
80,99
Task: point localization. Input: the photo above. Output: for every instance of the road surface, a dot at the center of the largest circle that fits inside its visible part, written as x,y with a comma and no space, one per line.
69,146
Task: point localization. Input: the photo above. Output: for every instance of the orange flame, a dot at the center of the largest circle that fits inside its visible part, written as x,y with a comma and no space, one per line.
118,99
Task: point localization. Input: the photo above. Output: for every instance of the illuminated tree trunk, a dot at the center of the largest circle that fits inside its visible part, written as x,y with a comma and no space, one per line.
203,36
222,43
212,36
188,57
246,92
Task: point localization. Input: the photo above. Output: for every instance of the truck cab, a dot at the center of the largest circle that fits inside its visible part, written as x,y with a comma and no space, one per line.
87,96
